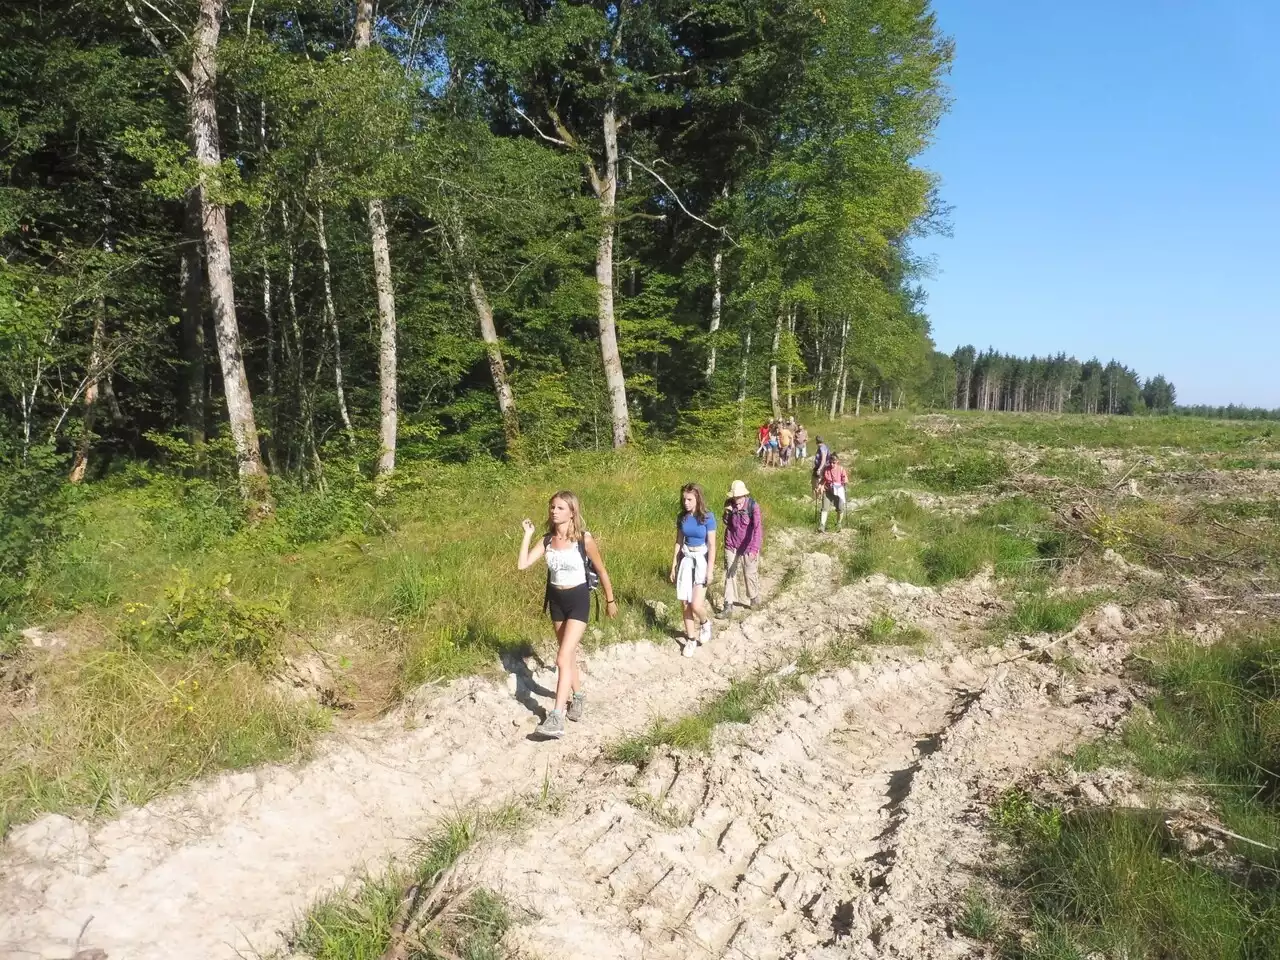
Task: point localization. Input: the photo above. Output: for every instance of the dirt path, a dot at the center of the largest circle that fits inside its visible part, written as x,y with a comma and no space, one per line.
843,823
225,866
826,819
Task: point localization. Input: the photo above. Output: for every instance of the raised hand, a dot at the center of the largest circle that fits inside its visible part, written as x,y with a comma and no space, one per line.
527,524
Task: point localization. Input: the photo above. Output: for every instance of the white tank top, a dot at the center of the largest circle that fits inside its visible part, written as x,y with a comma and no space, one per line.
566,567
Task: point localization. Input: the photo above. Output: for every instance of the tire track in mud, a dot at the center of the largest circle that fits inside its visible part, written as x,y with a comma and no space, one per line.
840,824
224,866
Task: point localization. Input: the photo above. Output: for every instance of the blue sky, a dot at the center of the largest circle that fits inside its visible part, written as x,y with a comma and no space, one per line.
1115,173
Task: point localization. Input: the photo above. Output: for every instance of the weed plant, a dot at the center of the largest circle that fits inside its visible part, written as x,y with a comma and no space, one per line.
116,728
359,925
1116,881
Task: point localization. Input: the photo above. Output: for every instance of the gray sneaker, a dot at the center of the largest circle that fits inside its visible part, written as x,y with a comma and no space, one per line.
577,707
551,728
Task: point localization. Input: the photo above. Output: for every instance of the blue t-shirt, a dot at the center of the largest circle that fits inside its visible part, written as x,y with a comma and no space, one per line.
696,533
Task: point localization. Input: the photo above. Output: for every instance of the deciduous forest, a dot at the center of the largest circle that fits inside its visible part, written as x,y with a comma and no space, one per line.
287,233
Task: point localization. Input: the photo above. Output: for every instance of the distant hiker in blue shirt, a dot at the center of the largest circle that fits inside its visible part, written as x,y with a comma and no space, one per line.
692,563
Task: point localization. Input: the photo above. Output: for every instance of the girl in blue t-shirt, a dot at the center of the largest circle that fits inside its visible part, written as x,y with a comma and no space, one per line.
692,563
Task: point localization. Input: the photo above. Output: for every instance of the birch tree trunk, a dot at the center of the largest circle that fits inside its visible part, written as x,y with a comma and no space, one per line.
387,375
488,335
96,350
190,289
773,367
606,190
742,380
331,315
497,368
791,330
203,117
857,403
839,370
717,300
273,380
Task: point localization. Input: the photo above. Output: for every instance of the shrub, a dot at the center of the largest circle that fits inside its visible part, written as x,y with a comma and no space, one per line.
206,618
967,470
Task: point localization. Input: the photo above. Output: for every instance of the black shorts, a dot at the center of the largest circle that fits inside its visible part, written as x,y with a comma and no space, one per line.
571,603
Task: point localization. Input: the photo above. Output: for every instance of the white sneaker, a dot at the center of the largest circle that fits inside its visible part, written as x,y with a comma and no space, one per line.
690,648
704,634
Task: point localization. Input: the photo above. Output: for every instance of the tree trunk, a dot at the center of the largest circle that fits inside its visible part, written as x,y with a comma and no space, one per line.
717,300
606,190
773,367
195,396
839,370
488,335
497,368
817,382
389,390
387,338
791,330
203,116
844,388
331,315
94,374
857,404
742,380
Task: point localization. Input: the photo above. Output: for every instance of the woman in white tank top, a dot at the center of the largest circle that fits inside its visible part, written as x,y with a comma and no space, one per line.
567,546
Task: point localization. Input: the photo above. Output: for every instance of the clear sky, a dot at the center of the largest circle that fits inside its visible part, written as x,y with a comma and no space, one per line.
1115,173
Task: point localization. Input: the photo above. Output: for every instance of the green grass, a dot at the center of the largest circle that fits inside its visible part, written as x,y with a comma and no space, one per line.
116,728
358,925
978,918
1043,613
1115,880
899,538
692,732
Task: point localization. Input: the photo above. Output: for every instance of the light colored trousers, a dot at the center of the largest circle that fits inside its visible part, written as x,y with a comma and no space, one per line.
749,564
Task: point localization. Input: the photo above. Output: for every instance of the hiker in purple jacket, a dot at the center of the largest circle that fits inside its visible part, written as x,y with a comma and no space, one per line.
743,536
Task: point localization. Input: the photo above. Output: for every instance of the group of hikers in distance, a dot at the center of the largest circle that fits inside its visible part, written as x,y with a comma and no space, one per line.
782,442
576,568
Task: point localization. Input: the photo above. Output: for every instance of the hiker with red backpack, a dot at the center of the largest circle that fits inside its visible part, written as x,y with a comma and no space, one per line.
743,536
574,568
693,563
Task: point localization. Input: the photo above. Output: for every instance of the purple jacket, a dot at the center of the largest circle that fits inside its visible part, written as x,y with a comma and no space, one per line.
743,529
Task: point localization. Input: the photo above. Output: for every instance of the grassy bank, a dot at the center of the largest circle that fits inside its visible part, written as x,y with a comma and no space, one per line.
1124,883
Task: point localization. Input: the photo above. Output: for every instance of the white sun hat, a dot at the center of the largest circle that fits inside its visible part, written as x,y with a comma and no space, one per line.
739,489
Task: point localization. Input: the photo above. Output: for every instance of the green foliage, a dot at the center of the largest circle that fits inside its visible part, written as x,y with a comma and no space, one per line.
206,617
30,504
962,470
118,728
1042,613
1116,880
978,917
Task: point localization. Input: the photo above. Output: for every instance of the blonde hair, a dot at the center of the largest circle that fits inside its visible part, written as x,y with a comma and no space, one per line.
577,526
